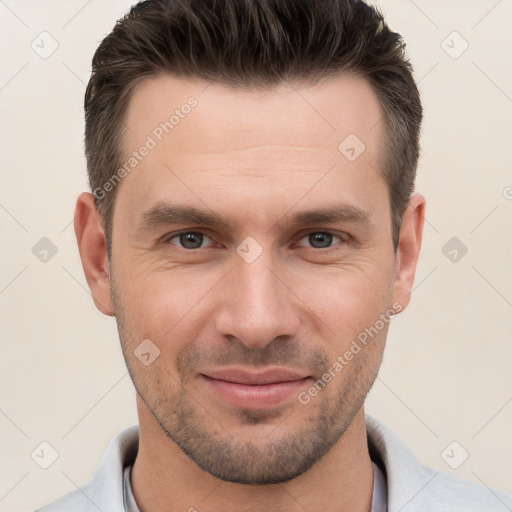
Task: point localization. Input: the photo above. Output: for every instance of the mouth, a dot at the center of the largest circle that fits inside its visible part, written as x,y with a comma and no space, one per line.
254,390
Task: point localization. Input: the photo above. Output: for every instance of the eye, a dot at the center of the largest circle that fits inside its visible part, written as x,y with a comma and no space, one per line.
322,239
188,239
194,239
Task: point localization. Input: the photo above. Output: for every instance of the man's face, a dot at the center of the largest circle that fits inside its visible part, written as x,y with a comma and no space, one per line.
248,316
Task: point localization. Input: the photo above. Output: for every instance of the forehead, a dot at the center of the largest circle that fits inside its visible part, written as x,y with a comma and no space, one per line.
290,113
209,141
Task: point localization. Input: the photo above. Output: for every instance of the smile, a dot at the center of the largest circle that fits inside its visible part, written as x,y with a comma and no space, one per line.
254,390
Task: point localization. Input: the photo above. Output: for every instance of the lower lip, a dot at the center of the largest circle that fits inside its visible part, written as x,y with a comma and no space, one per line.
255,396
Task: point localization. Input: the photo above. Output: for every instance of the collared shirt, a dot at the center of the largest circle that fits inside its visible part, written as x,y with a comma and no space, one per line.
408,486
379,498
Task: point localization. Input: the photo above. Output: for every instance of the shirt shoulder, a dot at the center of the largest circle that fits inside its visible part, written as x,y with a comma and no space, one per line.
413,487
80,500
460,495
105,490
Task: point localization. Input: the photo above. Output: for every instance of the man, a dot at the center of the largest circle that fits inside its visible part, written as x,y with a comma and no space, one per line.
253,229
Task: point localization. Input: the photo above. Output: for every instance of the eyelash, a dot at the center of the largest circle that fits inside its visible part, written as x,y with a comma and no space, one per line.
168,238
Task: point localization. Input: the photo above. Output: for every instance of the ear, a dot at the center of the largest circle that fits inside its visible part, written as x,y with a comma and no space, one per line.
90,238
411,233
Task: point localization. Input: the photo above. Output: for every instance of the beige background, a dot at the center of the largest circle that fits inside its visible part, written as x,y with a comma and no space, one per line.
446,374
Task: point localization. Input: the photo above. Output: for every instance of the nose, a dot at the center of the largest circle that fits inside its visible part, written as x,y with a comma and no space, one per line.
257,304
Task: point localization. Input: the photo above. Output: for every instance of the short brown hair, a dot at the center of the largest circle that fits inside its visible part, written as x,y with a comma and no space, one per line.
252,44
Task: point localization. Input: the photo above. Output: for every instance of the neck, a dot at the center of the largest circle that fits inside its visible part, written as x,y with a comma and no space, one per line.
165,479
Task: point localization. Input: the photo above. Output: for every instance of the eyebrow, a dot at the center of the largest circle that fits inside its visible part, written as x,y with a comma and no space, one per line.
165,214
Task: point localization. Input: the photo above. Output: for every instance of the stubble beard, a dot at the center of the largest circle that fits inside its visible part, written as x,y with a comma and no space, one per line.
290,449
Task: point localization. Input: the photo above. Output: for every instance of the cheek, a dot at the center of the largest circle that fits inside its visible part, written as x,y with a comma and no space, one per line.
166,307
348,321
349,300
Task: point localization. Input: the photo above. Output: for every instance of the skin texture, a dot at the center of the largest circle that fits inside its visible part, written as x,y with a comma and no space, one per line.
255,158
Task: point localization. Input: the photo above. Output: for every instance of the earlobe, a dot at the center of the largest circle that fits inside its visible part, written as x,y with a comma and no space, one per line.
90,238
411,233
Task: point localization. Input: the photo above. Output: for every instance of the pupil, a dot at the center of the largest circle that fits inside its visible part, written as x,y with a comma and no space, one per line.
322,237
187,240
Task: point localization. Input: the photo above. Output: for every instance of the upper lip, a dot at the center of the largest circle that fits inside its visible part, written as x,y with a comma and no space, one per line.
241,376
